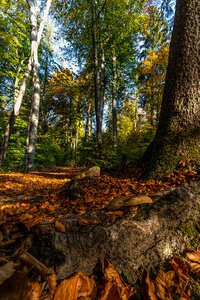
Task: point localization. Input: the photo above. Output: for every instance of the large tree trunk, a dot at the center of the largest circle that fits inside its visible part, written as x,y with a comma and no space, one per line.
178,133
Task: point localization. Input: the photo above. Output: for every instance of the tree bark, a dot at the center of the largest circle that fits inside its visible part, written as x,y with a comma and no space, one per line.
137,241
19,98
114,99
15,111
96,78
178,133
88,120
35,106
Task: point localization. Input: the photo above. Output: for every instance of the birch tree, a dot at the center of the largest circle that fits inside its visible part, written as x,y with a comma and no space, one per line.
37,35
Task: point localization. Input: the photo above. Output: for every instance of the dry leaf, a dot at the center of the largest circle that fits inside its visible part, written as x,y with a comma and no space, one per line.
76,286
195,268
25,217
89,221
194,256
35,290
148,287
52,283
115,284
59,226
164,284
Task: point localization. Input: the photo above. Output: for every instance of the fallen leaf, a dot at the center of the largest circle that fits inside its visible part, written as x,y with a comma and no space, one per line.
34,291
114,284
59,226
51,278
75,287
194,256
148,287
164,284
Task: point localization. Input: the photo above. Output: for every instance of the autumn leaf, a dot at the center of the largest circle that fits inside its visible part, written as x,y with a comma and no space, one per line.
195,264
148,287
51,278
165,284
59,226
75,287
114,284
194,256
34,291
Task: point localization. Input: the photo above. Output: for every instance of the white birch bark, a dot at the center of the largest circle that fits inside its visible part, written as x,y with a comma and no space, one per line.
19,96
34,115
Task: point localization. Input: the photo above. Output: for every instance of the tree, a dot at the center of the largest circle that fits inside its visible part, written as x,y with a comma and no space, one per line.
32,63
178,133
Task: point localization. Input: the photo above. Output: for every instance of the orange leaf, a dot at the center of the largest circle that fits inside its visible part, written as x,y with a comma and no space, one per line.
148,287
116,284
52,283
164,284
194,256
59,226
76,286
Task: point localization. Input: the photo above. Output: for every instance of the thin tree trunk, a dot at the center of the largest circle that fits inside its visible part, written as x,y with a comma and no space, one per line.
15,112
88,120
34,115
102,86
19,97
96,78
114,102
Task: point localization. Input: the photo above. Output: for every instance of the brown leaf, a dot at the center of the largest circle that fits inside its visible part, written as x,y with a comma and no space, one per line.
59,226
89,221
76,286
35,290
195,268
116,284
148,287
164,284
194,256
111,292
51,278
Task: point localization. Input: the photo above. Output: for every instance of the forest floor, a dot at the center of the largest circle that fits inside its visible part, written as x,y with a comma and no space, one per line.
27,200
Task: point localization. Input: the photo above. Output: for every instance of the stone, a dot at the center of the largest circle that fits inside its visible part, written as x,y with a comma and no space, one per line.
93,172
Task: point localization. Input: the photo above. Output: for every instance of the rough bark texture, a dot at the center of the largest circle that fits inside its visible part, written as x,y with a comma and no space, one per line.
145,240
178,134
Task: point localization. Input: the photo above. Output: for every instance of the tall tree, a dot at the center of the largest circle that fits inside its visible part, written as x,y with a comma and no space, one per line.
36,35
178,133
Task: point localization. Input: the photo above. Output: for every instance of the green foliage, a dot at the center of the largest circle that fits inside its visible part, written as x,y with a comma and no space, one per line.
16,152
48,153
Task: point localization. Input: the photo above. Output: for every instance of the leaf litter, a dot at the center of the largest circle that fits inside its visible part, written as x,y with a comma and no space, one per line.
27,200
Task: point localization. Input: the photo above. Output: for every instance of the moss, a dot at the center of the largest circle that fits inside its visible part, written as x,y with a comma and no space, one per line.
191,230
195,285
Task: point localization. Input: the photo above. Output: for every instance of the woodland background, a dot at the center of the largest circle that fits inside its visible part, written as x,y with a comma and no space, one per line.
101,68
